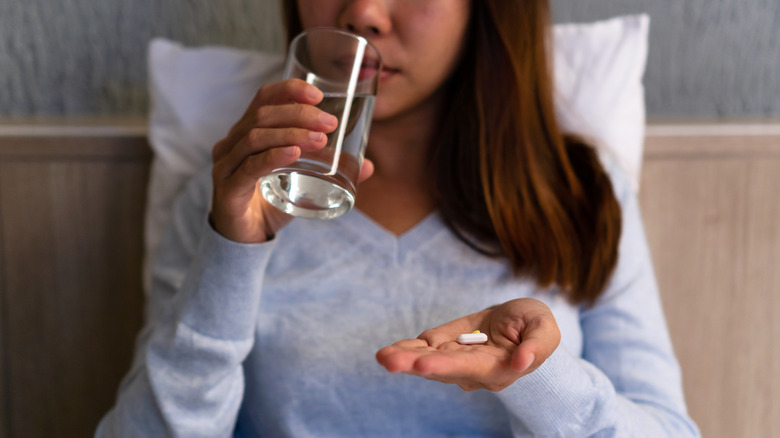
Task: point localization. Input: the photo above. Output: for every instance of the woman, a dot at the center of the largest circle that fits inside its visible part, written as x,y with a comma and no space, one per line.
472,203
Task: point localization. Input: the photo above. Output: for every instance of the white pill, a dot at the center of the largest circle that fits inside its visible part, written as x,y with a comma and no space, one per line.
472,338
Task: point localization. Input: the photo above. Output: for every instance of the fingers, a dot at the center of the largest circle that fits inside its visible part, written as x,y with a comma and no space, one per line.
416,356
258,141
287,103
539,340
459,363
450,331
281,115
529,325
409,356
241,181
289,125
423,355
401,356
436,337
470,367
300,115
290,90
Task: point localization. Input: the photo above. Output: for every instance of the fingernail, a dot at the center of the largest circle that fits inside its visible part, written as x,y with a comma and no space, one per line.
530,362
313,93
328,119
316,136
290,150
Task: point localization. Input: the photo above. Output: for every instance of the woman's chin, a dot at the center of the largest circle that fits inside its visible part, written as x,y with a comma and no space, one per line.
382,112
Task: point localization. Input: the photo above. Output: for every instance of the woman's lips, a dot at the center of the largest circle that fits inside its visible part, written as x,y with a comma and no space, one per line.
367,72
368,68
387,72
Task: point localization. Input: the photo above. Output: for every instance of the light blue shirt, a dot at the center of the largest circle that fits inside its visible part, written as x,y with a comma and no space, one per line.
278,339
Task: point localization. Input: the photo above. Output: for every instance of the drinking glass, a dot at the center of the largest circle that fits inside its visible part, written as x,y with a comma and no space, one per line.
345,67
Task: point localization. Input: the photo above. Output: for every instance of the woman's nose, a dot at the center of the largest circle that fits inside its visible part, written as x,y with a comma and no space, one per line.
365,17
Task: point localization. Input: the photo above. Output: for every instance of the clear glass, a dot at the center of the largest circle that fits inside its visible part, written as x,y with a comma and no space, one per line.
345,67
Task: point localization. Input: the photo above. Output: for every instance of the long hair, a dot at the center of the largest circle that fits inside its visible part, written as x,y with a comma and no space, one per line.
507,181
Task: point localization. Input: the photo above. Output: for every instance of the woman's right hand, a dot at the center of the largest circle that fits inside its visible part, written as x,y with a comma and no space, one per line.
281,121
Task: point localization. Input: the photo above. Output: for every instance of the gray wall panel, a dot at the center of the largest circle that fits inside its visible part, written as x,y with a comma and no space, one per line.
706,57
87,57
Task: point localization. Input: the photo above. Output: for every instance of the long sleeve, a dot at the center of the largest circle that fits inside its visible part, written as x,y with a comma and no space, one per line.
187,377
627,381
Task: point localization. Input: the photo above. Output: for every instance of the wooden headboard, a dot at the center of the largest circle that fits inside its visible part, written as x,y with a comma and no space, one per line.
71,217
710,197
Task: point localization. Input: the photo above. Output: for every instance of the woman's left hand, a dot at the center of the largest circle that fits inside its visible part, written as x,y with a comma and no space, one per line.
522,334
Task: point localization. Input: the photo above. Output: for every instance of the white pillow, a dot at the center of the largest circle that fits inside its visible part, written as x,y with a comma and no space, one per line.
198,93
599,93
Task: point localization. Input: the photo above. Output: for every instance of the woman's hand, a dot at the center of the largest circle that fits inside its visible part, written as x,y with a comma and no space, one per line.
279,124
522,334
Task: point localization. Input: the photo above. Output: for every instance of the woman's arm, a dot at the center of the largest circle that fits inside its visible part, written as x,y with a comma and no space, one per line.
187,379
626,383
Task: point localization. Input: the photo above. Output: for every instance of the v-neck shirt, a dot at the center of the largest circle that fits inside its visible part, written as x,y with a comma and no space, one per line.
278,339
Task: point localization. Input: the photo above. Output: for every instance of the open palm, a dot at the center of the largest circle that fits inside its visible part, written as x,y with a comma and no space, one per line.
522,334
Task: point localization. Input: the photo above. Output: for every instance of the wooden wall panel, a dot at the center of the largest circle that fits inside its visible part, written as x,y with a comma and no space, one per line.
759,355
713,222
5,392
72,250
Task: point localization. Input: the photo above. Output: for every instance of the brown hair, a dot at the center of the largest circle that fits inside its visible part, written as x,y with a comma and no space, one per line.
527,191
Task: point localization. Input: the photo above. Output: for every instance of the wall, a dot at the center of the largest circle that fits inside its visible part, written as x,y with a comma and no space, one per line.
707,57
87,57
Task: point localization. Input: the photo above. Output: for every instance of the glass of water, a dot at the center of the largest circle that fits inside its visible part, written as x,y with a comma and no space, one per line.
345,67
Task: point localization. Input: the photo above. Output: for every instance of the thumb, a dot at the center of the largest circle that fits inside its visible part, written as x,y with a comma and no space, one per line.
538,343
366,170
524,357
